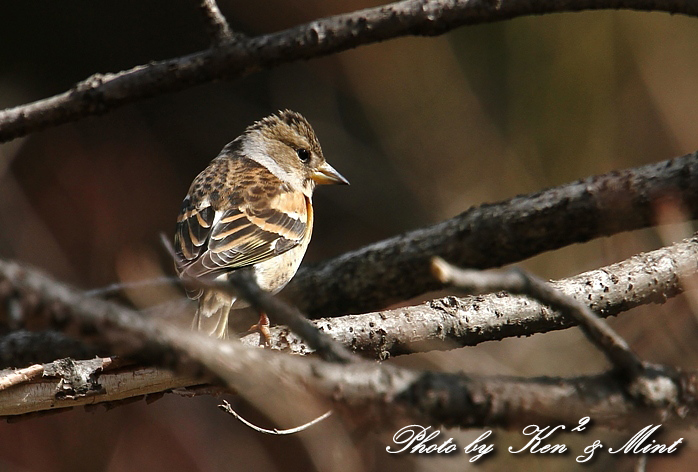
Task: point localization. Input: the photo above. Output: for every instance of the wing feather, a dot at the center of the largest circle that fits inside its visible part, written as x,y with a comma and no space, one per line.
224,227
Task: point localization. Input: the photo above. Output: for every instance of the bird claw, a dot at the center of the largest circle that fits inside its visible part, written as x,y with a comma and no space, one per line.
262,326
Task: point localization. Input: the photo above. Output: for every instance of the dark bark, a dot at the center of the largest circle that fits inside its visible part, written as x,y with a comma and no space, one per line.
101,93
493,235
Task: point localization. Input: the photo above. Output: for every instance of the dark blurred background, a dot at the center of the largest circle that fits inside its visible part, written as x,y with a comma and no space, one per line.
423,127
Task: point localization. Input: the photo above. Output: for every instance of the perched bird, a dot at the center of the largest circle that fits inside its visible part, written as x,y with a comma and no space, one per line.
251,209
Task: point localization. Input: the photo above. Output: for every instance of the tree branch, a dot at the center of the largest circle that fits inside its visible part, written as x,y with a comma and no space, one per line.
358,388
378,391
216,24
640,379
518,282
451,322
444,323
101,93
492,235
108,385
465,401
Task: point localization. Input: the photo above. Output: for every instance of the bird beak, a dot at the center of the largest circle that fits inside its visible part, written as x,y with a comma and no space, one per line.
326,175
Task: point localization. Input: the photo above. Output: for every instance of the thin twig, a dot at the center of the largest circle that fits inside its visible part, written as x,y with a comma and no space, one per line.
167,244
216,24
243,285
641,463
21,375
140,284
277,432
614,347
101,93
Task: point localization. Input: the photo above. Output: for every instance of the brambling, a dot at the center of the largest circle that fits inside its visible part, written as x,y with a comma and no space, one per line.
251,209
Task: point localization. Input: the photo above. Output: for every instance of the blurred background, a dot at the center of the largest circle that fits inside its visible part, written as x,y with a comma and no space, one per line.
423,128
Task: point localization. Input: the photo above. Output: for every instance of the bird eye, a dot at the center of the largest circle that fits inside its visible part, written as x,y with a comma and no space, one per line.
303,155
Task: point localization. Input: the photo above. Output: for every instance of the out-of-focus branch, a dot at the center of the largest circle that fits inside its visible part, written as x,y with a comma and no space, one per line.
41,303
377,391
104,92
22,348
465,401
451,322
492,235
216,24
244,286
358,388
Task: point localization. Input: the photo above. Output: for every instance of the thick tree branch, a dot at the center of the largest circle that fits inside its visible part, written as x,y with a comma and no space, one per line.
451,322
518,282
448,322
384,391
492,235
495,234
107,385
381,391
104,92
359,388
466,401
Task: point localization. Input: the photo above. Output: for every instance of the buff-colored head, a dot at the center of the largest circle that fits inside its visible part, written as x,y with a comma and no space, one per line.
286,144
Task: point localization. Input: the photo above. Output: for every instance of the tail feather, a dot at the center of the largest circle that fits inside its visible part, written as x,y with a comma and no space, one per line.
212,315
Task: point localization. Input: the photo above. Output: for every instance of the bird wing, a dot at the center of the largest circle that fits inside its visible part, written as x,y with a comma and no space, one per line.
241,215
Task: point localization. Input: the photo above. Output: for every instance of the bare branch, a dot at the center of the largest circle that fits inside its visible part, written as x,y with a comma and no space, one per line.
451,322
466,401
41,394
379,391
515,281
358,388
444,323
641,463
101,93
21,376
276,432
492,235
216,24
322,343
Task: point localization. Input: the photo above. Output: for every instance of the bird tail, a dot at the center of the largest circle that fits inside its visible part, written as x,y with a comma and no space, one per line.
212,315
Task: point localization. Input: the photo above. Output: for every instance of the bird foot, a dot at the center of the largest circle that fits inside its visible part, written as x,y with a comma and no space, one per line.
262,327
